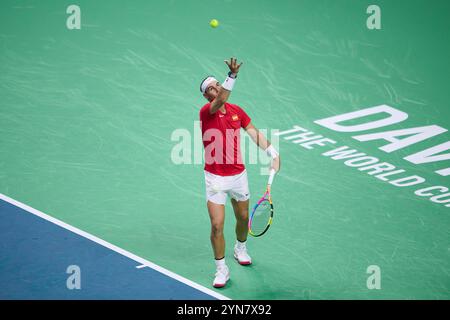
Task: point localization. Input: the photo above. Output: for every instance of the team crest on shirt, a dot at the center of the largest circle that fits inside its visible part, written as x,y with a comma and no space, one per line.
234,117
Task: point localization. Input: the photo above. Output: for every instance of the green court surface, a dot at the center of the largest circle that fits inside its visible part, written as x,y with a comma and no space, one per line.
86,119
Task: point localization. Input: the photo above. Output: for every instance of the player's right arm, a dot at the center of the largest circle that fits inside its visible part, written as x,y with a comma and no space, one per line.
221,98
224,91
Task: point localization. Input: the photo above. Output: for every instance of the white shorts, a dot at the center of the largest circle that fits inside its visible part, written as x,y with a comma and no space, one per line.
219,187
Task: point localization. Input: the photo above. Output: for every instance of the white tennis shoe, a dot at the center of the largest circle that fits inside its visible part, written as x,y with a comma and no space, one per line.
241,254
222,276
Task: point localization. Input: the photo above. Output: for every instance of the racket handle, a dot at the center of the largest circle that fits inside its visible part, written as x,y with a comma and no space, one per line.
272,175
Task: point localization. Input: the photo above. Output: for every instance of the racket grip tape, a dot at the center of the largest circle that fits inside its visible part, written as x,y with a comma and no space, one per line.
271,176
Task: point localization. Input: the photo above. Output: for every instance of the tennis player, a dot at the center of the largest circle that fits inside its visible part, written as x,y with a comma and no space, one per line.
225,174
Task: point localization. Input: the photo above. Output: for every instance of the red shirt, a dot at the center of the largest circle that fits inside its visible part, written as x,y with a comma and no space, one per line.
221,139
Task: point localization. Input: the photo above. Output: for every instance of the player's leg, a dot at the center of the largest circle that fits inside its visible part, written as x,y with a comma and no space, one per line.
240,200
241,213
217,217
216,200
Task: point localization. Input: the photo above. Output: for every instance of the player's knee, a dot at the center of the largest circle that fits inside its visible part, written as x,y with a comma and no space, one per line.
216,230
243,216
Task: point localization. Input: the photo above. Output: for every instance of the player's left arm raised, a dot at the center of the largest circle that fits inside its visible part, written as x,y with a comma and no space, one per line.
264,144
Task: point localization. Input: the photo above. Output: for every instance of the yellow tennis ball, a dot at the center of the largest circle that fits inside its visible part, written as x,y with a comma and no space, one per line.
214,23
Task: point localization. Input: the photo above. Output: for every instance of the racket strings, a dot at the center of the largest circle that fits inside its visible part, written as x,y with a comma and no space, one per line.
261,217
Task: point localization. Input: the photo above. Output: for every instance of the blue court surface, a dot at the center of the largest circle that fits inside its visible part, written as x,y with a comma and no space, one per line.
37,252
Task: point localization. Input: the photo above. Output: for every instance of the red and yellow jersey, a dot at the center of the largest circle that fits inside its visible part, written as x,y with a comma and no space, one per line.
221,139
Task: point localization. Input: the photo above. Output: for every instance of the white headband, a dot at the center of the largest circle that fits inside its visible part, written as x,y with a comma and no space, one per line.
206,83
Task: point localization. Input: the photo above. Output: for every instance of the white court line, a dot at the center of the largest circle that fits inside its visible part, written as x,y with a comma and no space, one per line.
142,261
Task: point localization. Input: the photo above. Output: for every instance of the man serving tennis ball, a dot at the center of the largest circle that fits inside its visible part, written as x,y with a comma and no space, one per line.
225,174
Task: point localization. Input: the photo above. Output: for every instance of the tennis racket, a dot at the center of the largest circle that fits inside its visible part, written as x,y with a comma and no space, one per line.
262,213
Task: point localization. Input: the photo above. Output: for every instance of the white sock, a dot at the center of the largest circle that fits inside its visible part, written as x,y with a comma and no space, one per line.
240,245
220,263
